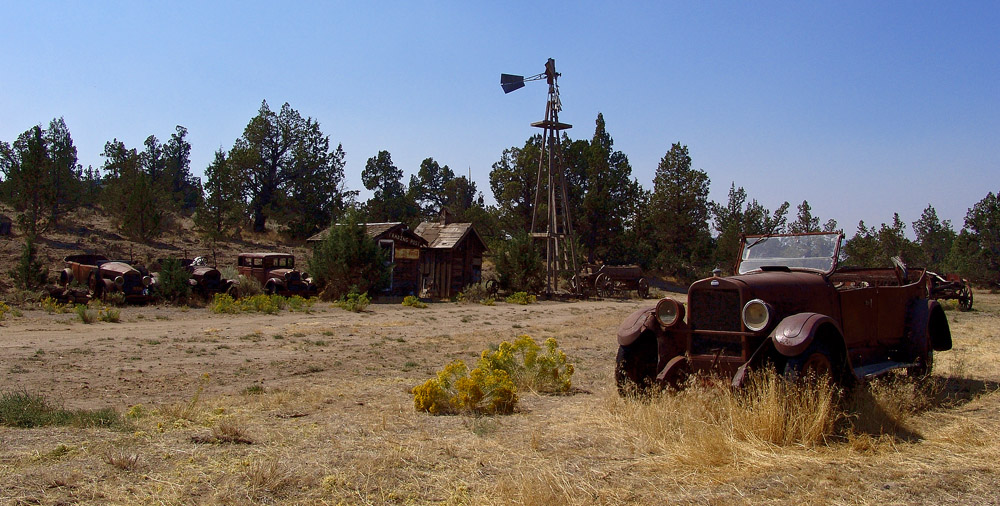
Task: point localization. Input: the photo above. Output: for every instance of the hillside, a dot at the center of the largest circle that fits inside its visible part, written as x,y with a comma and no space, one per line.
90,230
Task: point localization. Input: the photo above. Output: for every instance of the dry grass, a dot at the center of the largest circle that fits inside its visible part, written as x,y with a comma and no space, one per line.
347,433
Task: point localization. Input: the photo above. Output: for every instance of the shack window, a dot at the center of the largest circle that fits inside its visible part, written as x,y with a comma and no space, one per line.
387,246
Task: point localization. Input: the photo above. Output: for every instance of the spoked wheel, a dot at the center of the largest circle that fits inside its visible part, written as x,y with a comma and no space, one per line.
965,299
603,285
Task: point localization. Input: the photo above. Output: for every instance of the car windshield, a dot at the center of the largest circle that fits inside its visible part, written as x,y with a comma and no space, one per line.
814,252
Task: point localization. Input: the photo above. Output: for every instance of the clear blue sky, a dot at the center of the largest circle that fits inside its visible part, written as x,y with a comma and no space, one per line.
861,108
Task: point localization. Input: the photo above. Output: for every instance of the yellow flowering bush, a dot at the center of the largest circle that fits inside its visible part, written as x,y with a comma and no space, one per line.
522,298
261,303
530,366
491,387
4,309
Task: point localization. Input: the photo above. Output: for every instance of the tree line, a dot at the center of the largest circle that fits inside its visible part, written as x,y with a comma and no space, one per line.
284,171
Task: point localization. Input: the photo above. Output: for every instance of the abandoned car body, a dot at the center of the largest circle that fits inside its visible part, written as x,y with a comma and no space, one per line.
104,276
792,307
276,273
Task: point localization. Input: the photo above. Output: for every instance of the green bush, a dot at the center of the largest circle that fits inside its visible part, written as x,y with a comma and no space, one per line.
477,293
224,303
348,258
413,301
24,409
354,301
521,298
86,313
173,283
29,272
519,265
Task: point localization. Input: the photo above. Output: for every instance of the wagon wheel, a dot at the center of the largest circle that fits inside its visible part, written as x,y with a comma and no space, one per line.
603,285
492,287
965,298
643,289
574,284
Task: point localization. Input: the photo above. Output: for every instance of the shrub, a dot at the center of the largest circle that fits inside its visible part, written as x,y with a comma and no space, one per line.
270,304
24,409
109,314
354,301
173,280
113,298
29,272
53,306
4,309
521,298
86,313
297,303
519,265
347,258
529,366
476,292
456,389
412,301
491,388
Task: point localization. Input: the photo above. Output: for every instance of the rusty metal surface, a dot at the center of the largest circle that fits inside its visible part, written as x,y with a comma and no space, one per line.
951,287
102,276
609,280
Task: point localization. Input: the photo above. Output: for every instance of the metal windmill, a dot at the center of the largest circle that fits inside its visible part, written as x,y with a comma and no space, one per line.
560,246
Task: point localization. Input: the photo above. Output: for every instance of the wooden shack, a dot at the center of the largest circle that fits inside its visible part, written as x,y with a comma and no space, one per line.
402,248
452,259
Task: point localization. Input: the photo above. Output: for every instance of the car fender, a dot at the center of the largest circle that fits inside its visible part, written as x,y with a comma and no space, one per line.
937,327
794,333
634,324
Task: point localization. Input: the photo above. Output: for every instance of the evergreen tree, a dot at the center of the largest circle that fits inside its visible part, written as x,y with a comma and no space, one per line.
679,214
428,187
41,178
286,163
513,180
221,212
29,273
934,238
983,222
389,202
348,258
129,194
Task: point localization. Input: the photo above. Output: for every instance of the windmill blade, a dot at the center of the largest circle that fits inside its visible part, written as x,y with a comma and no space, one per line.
510,82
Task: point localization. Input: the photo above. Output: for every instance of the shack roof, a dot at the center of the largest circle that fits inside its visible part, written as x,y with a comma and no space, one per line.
447,235
380,230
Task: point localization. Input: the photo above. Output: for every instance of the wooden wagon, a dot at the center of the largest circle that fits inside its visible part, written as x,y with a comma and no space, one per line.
609,280
951,286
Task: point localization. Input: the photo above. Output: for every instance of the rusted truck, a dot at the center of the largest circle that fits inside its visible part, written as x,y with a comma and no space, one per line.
103,276
276,273
791,307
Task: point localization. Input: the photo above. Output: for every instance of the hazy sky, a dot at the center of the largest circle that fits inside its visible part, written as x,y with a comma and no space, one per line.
861,108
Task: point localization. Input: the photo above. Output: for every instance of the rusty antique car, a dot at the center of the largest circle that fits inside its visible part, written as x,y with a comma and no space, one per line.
103,276
276,273
791,307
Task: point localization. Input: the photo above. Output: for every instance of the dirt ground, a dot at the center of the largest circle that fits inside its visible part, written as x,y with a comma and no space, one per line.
322,404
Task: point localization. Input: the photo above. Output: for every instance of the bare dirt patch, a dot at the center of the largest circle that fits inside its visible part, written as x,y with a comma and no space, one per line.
315,408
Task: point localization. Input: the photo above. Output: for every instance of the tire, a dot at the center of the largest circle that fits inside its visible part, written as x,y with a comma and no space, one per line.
816,362
604,286
635,366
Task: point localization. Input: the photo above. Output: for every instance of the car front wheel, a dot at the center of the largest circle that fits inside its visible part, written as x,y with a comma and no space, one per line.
635,366
816,362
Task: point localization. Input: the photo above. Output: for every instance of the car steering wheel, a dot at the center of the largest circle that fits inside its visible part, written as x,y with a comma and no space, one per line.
900,269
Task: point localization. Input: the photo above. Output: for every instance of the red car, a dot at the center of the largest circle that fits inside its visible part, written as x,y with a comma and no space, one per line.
276,273
791,306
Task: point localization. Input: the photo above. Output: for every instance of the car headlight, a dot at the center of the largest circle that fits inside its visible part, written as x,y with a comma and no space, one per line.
147,280
756,315
669,312
119,281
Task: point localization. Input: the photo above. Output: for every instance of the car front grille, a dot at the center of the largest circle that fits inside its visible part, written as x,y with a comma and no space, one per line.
718,311
715,310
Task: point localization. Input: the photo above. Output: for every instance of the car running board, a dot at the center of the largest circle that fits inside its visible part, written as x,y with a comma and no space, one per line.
868,371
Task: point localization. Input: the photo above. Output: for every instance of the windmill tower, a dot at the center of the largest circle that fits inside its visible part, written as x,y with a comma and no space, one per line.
560,246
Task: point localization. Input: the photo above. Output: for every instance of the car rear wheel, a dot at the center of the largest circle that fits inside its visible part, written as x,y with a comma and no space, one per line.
635,366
